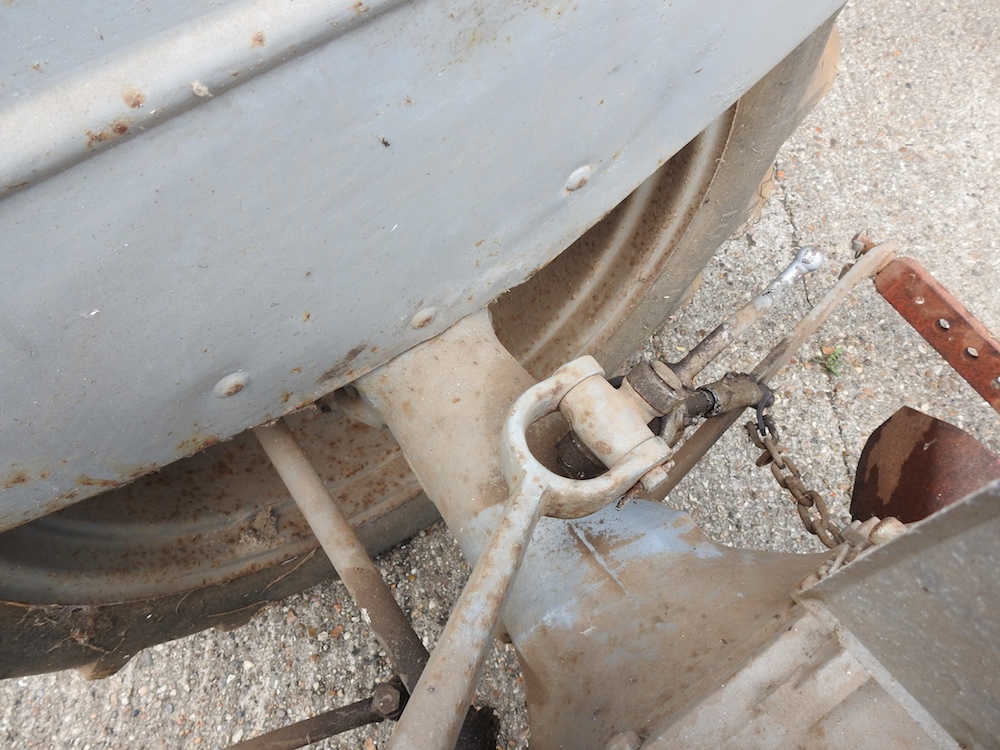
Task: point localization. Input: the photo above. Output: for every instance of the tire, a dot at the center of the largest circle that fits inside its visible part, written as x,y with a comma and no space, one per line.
210,540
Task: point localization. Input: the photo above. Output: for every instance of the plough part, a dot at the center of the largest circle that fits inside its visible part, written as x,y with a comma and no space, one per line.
945,324
913,465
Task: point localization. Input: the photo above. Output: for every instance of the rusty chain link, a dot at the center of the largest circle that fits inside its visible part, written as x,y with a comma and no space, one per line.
809,503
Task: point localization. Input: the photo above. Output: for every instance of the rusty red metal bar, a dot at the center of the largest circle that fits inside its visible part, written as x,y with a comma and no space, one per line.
945,323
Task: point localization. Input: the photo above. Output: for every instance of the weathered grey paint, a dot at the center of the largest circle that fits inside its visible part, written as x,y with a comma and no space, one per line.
211,220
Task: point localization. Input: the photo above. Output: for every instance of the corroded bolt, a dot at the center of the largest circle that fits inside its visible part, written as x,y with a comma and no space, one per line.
386,699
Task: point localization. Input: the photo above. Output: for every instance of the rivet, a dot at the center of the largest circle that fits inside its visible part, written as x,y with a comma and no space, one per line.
578,178
972,351
944,324
919,300
231,384
424,317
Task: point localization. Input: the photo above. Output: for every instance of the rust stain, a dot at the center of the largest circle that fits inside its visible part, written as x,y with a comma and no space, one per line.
359,7
258,40
88,481
196,444
18,478
306,317
296,370
114,129
285,396
15,186
343,366
134,98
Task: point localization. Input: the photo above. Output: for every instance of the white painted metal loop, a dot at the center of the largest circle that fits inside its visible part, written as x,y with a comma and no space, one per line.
564,497
439,705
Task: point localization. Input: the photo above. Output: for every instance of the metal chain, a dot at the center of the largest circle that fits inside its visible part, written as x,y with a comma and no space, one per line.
809,503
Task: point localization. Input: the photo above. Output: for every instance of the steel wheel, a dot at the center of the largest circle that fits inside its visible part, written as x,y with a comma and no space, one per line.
211,539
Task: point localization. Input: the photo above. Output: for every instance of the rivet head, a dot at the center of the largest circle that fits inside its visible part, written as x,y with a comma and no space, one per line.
944,324
423,317
231,385
578,178
972,351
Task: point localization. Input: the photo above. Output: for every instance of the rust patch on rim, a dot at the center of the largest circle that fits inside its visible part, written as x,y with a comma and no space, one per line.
258,39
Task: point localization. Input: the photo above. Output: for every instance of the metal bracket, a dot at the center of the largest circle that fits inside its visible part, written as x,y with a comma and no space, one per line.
945,324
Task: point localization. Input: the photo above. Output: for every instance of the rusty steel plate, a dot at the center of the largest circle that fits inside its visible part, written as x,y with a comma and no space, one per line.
914,465
946,325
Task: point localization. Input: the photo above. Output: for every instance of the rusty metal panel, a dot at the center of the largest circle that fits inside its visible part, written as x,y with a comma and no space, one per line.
914,465
945,323
210,220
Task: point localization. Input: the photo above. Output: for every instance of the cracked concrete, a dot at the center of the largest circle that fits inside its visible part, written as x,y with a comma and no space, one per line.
905,145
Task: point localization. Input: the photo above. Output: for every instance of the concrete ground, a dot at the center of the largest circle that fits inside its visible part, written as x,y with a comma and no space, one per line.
905,145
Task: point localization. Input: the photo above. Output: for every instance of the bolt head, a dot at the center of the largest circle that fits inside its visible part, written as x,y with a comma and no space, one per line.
386,699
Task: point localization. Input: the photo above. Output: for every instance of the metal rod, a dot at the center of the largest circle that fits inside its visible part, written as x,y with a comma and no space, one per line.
390,625
807,260
693,449
439,706
314,729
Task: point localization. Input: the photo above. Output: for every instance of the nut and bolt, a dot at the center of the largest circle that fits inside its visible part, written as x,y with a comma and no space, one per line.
386,700
861,243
